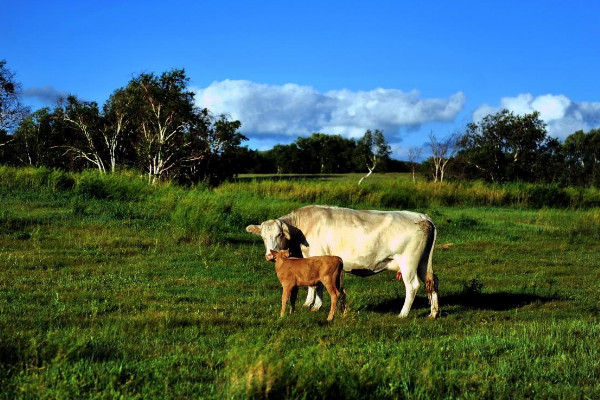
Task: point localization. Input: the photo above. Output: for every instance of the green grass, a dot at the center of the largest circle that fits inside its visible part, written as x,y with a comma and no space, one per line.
143,292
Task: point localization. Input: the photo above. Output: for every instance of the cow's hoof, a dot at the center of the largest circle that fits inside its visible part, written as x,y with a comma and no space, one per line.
314,309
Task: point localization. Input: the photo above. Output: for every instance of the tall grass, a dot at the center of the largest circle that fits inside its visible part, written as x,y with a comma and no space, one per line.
215,214
394,191
400,192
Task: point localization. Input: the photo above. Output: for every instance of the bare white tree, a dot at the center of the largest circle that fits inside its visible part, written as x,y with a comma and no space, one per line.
84,118
373,148
443,150
414,154
115,113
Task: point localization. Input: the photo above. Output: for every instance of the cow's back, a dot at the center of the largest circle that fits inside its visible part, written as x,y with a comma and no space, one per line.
364,239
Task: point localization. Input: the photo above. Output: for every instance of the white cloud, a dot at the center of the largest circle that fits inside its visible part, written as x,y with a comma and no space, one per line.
562,115
294,110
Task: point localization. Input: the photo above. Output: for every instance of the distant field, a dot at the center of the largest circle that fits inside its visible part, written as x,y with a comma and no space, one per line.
111,288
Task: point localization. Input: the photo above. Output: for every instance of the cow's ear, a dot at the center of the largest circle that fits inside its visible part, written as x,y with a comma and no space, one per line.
253,229
286,231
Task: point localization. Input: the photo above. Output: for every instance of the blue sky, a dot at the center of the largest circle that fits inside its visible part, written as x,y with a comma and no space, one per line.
289,68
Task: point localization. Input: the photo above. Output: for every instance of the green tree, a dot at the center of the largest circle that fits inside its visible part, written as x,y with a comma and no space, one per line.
286,159
11,109
40,140
581,152
325,154
212,148
317,154
87,122
506,147
160,113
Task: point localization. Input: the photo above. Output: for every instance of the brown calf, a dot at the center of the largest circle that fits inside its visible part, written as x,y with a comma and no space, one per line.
296,272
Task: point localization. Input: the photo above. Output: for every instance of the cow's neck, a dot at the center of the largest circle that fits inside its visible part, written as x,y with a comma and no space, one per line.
297,238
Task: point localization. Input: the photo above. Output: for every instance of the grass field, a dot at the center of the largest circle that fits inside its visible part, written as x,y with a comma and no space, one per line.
110,288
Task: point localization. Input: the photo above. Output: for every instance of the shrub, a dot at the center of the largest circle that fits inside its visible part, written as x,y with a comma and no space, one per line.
121,186
547,196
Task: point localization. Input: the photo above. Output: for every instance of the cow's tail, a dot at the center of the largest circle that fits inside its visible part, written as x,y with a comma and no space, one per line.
342,299
430,279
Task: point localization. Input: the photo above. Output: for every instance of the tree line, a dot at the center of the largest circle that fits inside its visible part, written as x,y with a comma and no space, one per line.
324,154
153,125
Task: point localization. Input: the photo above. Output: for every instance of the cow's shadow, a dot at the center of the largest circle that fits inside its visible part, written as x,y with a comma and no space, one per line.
502,301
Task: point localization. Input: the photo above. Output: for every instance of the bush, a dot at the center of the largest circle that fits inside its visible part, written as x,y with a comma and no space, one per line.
121,186
547,196
36,178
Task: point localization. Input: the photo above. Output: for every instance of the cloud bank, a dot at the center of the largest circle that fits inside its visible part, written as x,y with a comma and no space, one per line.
292,110
562,115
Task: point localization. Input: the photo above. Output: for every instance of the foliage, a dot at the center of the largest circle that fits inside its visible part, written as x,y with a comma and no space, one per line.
582,159
316,154
151,125
505,147
11,109
113,295
324,154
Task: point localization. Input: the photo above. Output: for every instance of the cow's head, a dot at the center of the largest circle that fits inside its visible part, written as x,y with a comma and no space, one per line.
274,233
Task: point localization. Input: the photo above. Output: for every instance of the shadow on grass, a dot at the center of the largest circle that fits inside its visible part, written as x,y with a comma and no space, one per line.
284,177
502,301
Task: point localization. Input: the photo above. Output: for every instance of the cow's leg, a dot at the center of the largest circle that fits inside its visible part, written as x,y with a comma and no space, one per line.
408,268
318,298
314,298
310,297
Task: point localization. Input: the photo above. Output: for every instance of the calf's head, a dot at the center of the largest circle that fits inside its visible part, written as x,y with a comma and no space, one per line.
280,255
275,234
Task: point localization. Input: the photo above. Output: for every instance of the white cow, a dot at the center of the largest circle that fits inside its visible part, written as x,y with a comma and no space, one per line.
368,242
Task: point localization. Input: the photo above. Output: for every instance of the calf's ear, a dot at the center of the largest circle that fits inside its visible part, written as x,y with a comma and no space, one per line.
253,229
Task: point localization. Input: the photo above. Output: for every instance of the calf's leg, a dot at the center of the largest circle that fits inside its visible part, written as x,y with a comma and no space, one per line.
285,295
334,293
293,297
